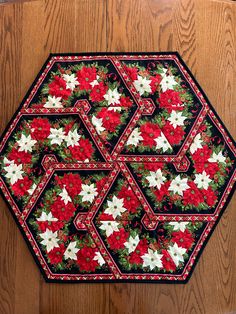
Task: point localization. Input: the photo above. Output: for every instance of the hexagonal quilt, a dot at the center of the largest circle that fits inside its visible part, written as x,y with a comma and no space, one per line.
116,168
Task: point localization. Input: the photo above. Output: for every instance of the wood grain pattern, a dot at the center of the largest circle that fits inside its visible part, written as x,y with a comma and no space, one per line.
204,32
137,25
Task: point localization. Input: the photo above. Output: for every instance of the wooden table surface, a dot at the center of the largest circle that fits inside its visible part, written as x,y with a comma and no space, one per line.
204,33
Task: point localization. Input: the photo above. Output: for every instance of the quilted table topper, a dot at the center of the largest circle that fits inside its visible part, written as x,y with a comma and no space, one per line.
116,168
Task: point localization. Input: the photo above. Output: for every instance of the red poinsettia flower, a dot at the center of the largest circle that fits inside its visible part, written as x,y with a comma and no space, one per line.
162,192
155,81
131,203
173,135
85,259
56,255
149,131
100,183
117,239
58,88
184,239
167,261
105,217
192,196
98,91
209,196
40,128
62,211
110,119
153,166
209,167
202,155
85,76
82,151
51,225
72,183
141,249
126,102
202,128
170,100
21,187
132,73
20,157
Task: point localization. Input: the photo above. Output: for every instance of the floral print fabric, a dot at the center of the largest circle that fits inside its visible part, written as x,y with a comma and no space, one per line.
116,168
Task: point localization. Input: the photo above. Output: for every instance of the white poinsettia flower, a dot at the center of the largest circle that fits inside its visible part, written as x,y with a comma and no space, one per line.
88,193
177,253
142,85
132,243
26,143
109,227
217,157
71,81
95,82
197,143
56,136
97,122
202,180
156,179
167,82
32,189
115,109
50,239
98,257
112,97
115,207
71,251
53,102
13,172
162,143
46,217
134,138
176,119
152,259
72,138
164,71
65,196
7,161
179,185
179,225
